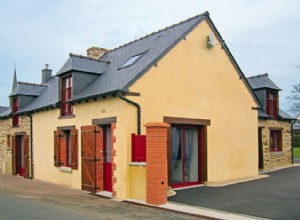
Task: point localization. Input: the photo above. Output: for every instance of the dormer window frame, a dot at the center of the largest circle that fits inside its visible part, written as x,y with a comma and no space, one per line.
66,93
15,109
272,104
132,60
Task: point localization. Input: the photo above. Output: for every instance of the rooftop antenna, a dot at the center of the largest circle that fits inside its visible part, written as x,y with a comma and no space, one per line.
15,82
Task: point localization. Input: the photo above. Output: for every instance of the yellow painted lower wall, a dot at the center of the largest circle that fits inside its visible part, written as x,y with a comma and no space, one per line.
138,181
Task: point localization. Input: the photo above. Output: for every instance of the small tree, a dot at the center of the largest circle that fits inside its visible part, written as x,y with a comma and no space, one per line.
294,99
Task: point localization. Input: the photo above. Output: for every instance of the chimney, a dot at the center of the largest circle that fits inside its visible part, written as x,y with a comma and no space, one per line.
96,52
46,74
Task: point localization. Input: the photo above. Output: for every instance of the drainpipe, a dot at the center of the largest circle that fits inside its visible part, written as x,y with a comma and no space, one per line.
138,107
31,159
292,139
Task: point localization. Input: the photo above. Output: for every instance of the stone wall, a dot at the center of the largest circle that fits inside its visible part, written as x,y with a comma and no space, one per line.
276,159
6,132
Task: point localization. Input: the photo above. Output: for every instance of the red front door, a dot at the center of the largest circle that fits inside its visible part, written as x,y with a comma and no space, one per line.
19,156
107,148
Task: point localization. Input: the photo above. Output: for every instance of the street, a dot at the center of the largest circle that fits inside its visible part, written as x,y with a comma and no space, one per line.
32,199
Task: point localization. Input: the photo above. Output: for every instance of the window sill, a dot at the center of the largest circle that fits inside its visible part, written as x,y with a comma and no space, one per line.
276,153
65,169
66,116
141,164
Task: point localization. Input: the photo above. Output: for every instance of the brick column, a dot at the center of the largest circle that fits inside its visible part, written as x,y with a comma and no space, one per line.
100,155
157,163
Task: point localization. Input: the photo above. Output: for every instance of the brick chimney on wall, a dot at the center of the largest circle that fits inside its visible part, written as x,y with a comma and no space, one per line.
46,73
96,52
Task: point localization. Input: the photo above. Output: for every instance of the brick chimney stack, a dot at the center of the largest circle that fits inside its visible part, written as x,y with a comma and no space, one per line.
96,52
46,73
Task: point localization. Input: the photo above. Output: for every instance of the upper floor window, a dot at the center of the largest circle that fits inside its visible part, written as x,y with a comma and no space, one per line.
272,104
66,94
15,109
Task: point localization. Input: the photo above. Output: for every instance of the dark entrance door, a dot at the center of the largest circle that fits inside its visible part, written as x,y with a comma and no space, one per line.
185,155
260,150
107,184
19,156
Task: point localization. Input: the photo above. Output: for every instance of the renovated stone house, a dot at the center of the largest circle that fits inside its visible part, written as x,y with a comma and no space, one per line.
274,125
136,120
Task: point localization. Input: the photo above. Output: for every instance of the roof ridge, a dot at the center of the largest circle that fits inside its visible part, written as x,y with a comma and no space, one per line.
206,13
259,75
89,58
33,84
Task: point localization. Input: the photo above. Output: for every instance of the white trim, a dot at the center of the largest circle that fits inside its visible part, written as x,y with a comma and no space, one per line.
141,164
65,169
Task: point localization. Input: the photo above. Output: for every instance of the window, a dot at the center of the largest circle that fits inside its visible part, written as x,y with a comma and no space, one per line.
66,94
272,104
8,141
275,140
131,61
66,148
15,109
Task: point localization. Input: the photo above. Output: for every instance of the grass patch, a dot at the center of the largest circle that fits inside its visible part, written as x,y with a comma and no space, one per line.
297,152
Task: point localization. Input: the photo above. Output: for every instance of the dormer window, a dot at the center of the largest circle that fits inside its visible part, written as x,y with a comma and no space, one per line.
272,104
66,94
15,109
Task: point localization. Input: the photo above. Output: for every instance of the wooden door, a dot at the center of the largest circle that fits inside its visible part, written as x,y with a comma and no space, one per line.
19,156
260,150
88,158
14,155
107,184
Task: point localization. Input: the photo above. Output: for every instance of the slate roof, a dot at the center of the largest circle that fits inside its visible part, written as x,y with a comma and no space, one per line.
112,78
29,89
262,81
83,64
297,125
5,111
285,115
49,97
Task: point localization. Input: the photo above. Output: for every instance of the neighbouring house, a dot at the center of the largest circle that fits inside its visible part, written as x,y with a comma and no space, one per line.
168,110
16,130
274,125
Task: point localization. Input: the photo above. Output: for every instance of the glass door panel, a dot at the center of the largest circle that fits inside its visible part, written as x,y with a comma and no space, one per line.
191,155
177,156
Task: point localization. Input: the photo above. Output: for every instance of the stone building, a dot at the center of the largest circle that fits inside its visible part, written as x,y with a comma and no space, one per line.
16,154
274,125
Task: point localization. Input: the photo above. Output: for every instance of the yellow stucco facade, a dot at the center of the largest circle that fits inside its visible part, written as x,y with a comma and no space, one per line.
190,81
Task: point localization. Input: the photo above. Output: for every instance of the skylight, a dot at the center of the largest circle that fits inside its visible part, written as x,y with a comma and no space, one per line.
131,61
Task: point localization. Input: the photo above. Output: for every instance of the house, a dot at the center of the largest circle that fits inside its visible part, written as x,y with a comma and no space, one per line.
16,130
178,90
274,125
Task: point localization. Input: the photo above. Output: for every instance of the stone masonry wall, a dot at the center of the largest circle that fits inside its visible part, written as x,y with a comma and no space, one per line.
7,131
276,159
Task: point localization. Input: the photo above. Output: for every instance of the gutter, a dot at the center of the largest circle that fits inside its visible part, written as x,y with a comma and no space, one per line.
138,107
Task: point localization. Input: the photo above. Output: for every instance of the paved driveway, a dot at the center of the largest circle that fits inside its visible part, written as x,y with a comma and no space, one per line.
275,197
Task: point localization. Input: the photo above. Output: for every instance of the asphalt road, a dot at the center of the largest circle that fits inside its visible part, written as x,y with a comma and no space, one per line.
274,197
31,199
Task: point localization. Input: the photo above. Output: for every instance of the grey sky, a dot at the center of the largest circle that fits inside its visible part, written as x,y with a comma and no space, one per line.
263,35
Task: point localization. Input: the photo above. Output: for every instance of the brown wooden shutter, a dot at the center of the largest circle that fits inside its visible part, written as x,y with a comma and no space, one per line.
74,149
13,154
26,155
57,135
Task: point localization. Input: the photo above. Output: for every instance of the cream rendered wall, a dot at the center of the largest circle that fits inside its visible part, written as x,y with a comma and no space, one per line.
192,81
46,122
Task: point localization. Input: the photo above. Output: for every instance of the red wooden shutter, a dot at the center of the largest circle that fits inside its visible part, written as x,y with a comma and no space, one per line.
13,154
57,135
26,155
138,148
74,149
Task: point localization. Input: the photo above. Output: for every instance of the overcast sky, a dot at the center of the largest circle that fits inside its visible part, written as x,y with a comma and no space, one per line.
263,35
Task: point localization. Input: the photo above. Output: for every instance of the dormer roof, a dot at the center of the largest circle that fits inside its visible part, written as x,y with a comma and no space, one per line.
29,89
262,81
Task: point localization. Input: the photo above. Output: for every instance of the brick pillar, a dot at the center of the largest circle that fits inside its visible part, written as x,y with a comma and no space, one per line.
114,166
157,163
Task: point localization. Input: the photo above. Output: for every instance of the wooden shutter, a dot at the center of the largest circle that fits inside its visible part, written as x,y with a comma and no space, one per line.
57,135
74,149
88,158
13,154
26,155
138,150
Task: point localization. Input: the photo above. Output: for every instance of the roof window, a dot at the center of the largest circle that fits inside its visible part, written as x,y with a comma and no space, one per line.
131,61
